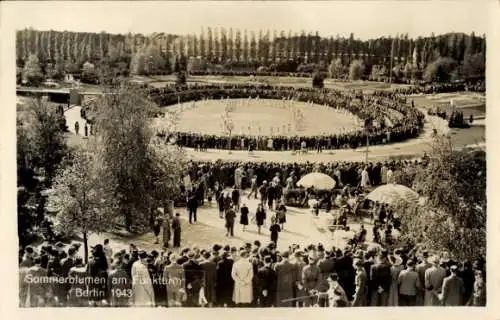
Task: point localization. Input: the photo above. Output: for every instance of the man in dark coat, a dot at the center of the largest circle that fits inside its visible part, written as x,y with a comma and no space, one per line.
224,283
66,265
286,279
209,277
230,216
192,205
194,279
380,280
176,227
267,284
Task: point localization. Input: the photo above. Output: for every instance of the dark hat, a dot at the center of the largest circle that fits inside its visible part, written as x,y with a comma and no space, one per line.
268,259
227,248
256,243
216,247
143,254
59,244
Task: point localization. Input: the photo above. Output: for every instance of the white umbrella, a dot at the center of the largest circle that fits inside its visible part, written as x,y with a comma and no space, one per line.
317,180
392,194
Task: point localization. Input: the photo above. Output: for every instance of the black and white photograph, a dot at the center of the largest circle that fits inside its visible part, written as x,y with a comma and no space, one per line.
251,154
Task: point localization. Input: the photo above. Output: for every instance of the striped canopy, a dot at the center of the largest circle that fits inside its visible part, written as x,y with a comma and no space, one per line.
393,194
317,180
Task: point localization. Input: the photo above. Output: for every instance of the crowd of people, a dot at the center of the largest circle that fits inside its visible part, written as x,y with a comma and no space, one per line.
396,121
253,275
474,86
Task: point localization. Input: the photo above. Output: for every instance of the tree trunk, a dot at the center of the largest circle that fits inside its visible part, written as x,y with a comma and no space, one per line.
86,248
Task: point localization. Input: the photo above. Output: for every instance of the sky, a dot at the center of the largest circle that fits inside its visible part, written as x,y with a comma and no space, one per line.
366,19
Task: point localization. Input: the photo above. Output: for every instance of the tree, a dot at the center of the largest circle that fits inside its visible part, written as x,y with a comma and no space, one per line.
453,217
336,69
43,128
123,128
81,197
440,70
318,79
89,73
32,73
356,70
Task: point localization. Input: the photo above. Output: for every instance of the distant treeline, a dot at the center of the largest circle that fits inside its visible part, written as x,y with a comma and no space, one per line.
219,50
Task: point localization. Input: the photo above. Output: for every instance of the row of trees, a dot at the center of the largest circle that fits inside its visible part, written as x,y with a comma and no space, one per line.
159,53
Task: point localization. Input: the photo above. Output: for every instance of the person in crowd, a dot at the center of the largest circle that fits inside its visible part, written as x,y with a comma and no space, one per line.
176,227
220,203
36,291
409,285
271,195
242,274
224,280
244,216
335,291
263,192
175,279
396,268
421,269
77,127
230,216
194,279
66,265
478,298
98,269
275,229
260,217
281,214
434,277
209,267
360,294
157,230
167,231
192,205
120,284
254,188
380,278
311,276
285,281
78,273
108,252
235,198
453,289
266,283
142,286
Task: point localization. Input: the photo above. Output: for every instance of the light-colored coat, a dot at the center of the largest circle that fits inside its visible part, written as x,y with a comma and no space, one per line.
242,274
434,277
142,286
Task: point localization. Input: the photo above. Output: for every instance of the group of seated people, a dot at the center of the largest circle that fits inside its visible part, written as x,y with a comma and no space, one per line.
396,120
252,275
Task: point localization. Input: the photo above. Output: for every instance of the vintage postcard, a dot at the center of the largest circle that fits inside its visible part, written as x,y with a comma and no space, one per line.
250,154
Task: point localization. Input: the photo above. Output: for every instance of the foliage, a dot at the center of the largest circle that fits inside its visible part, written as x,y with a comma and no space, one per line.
41,147
142,178
454,215
440,70
41,140
335,69
318,79
89,73
356,70
283,53
32,73
80,196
